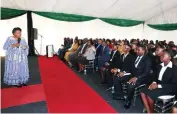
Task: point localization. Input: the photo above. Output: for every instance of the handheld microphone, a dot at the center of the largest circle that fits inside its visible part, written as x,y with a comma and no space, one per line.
19,39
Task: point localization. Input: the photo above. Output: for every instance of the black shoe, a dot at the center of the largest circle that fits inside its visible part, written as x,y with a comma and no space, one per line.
117,98
25,85
103,82
127,104
19,86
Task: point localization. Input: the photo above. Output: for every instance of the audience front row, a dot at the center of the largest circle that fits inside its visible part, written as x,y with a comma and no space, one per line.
132,63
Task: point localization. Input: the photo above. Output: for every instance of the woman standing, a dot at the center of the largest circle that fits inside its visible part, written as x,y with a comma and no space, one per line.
16,61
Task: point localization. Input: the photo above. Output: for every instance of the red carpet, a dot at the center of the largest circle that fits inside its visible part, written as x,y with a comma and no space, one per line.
19,96
66,93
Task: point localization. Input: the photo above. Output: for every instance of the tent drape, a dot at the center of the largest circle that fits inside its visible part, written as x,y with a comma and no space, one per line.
122,22
65,17
165,27
7,13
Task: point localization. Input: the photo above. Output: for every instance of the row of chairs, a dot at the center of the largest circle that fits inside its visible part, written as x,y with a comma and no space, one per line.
161,106
124,87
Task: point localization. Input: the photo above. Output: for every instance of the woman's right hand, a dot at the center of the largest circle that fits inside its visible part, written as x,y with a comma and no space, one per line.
15,45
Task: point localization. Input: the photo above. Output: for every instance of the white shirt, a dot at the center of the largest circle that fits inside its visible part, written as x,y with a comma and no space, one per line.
136,65
113,55
163,69
125,56
90,53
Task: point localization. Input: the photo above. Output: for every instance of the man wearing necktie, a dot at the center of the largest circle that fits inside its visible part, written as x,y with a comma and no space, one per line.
104,55
98,51
112,63
123,72
139,74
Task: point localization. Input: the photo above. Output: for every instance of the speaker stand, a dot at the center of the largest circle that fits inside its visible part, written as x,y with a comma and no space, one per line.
34,54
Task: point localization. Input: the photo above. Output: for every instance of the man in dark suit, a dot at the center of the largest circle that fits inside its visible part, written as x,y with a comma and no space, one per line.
114,62
139,74
98,48
123,72
104,55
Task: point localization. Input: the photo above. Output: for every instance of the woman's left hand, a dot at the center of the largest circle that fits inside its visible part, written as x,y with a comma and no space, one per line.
24,47
153,86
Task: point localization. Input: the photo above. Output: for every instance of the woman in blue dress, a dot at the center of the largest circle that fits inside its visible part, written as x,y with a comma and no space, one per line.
16,61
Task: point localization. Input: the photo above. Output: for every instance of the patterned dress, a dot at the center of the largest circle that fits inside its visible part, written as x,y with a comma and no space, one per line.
16,62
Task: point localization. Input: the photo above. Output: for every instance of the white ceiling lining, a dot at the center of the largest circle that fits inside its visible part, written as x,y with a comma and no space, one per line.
143,10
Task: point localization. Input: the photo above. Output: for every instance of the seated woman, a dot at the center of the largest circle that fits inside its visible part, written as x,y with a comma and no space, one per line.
72,55
109,44
88,55
73,49
163,82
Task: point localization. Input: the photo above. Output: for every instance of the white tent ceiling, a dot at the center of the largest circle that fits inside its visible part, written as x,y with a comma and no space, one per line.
146,10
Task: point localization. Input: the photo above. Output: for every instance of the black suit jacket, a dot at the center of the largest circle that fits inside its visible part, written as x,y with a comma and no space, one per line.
169,78
116,62
83,49
127,63
143,69
98,50
155,62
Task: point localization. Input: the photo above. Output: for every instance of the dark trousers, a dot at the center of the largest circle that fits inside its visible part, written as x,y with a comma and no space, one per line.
73,60
130,87
109,77
118,85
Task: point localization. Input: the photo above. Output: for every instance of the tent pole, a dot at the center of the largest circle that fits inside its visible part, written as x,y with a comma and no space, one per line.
29,31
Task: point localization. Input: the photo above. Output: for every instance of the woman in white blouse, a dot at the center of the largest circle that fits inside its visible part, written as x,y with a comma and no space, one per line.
87,56
164,82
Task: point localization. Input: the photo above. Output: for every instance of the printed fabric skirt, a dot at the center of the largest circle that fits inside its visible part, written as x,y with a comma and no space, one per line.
155,93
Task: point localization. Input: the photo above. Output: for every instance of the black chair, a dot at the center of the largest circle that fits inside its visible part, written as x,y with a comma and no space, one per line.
164,104
136,92
90,65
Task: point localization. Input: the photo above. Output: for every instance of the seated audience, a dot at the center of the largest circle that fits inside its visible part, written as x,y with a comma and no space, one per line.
114,62
146,63
164,82
73,49
87,56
